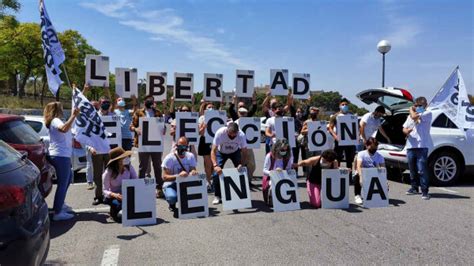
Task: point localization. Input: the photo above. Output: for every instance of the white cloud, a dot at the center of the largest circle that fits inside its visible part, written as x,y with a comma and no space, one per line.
165,25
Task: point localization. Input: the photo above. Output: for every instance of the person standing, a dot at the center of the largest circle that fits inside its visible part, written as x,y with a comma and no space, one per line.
181,163
144,157
229,143
370,123
125,119
417,129
60,152
250,156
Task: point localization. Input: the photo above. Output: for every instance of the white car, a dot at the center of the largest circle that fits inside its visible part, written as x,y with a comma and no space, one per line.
79,154
452,154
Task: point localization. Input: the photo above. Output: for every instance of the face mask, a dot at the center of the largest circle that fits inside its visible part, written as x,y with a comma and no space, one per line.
283,153
420,109
105,106
372,151
344,108
325,165
121,103
313,115
148,104
181,149
299,115
210,108
126,161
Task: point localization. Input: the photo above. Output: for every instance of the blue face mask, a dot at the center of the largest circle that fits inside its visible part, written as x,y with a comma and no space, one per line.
420,109
344,108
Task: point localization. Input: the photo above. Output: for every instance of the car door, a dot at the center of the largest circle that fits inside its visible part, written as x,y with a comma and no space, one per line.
391,98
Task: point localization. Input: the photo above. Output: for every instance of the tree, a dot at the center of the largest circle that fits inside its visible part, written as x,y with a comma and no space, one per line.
8,5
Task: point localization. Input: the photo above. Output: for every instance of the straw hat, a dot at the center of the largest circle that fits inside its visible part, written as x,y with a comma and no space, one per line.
117,154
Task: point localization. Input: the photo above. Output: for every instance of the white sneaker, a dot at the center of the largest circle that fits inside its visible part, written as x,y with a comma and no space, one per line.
66,208
216,200
62,216
358,199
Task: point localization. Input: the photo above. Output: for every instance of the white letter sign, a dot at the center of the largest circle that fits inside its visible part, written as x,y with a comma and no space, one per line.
279,82
235,189
214,120
139,202
156,85
183,87
97,70
126,82
374,187
251,128
113,130
192,196
335,189
348,130
187,125
284,191
213,87
301,86
151,139
318,136
285,128
244,83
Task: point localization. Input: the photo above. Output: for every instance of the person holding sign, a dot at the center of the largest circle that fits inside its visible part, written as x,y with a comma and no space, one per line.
303,137
118,169
279,111
371,122
327,160
144,157
229,143
204,149
125,119
368,158
181,163
417,129
233,114
348,151
250,157
278,159
60,152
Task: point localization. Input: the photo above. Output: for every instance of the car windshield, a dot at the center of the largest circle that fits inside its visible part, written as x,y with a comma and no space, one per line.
394,101
35,125
8,156
18,132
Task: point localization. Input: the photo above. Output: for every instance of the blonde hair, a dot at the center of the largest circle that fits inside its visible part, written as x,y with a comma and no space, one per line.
51,111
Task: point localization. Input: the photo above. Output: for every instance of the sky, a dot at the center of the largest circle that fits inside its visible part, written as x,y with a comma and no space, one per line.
333,40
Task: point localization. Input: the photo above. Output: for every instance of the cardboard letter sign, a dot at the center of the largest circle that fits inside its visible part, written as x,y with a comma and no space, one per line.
251,128
318,136
284,191
301,86
213,87
374,187
214,120
244,83
348,130
156,85
279,82
183,87
285,128
235,189
151,139
139,202
192,196
187,125
97,70
335,189
113,130
126,82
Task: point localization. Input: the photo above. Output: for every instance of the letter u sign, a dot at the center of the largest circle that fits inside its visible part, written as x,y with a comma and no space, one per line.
335,189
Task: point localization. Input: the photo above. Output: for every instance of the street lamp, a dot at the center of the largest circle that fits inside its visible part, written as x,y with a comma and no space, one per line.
383,47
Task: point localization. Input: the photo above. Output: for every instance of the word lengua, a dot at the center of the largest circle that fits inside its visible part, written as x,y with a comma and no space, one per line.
213,84
335,189
235,189
183,87
113,130
126,82
318,136
301,85
279,82
374,187
151,138
284,191
285,128
156,85
138,202
245,83
97,70
347,128
187,125
251,128
192,196
214,119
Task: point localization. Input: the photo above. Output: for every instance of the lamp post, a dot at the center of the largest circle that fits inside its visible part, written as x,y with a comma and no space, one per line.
383,47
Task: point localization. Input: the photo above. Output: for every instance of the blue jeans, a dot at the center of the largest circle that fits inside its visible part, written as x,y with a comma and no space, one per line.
222,158
170,194
418,164
63,174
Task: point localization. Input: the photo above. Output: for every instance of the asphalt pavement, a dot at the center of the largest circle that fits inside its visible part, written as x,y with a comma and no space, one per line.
409,231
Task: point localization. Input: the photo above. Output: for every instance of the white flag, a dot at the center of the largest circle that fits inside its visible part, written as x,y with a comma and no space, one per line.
52,51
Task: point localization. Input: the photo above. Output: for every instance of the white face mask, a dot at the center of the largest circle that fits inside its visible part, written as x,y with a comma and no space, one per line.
325,165
126,161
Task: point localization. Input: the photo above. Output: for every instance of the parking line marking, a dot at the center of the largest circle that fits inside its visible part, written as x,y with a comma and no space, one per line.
97,209
111,256
447,190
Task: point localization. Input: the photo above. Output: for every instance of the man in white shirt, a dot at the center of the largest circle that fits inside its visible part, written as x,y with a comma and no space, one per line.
417,128
371,122
229,143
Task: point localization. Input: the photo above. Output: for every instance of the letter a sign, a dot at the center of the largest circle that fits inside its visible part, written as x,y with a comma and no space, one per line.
374,187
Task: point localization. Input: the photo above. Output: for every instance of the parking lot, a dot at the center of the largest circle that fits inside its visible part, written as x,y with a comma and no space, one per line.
409,231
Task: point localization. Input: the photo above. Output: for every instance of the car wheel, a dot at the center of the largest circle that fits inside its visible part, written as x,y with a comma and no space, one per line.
445,168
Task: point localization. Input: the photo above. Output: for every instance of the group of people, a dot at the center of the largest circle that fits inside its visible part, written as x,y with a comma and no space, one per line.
107,170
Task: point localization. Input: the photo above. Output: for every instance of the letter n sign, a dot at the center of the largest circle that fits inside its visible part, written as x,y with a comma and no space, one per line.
151,139
139,202
235,189
348,130
335,189
97,70
285,191
374,187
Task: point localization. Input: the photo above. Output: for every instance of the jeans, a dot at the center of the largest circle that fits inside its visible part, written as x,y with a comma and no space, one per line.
348,151
99,162
221,160
418,165
115,208
63,174
144,162
171,195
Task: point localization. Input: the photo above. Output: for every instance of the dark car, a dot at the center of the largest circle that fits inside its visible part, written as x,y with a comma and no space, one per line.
18,134
24,219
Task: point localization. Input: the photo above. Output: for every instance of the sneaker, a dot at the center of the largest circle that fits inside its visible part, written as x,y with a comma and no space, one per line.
97,201
62,216
90,186
66,208
412,191
425,196
216,200
159,193
358,199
